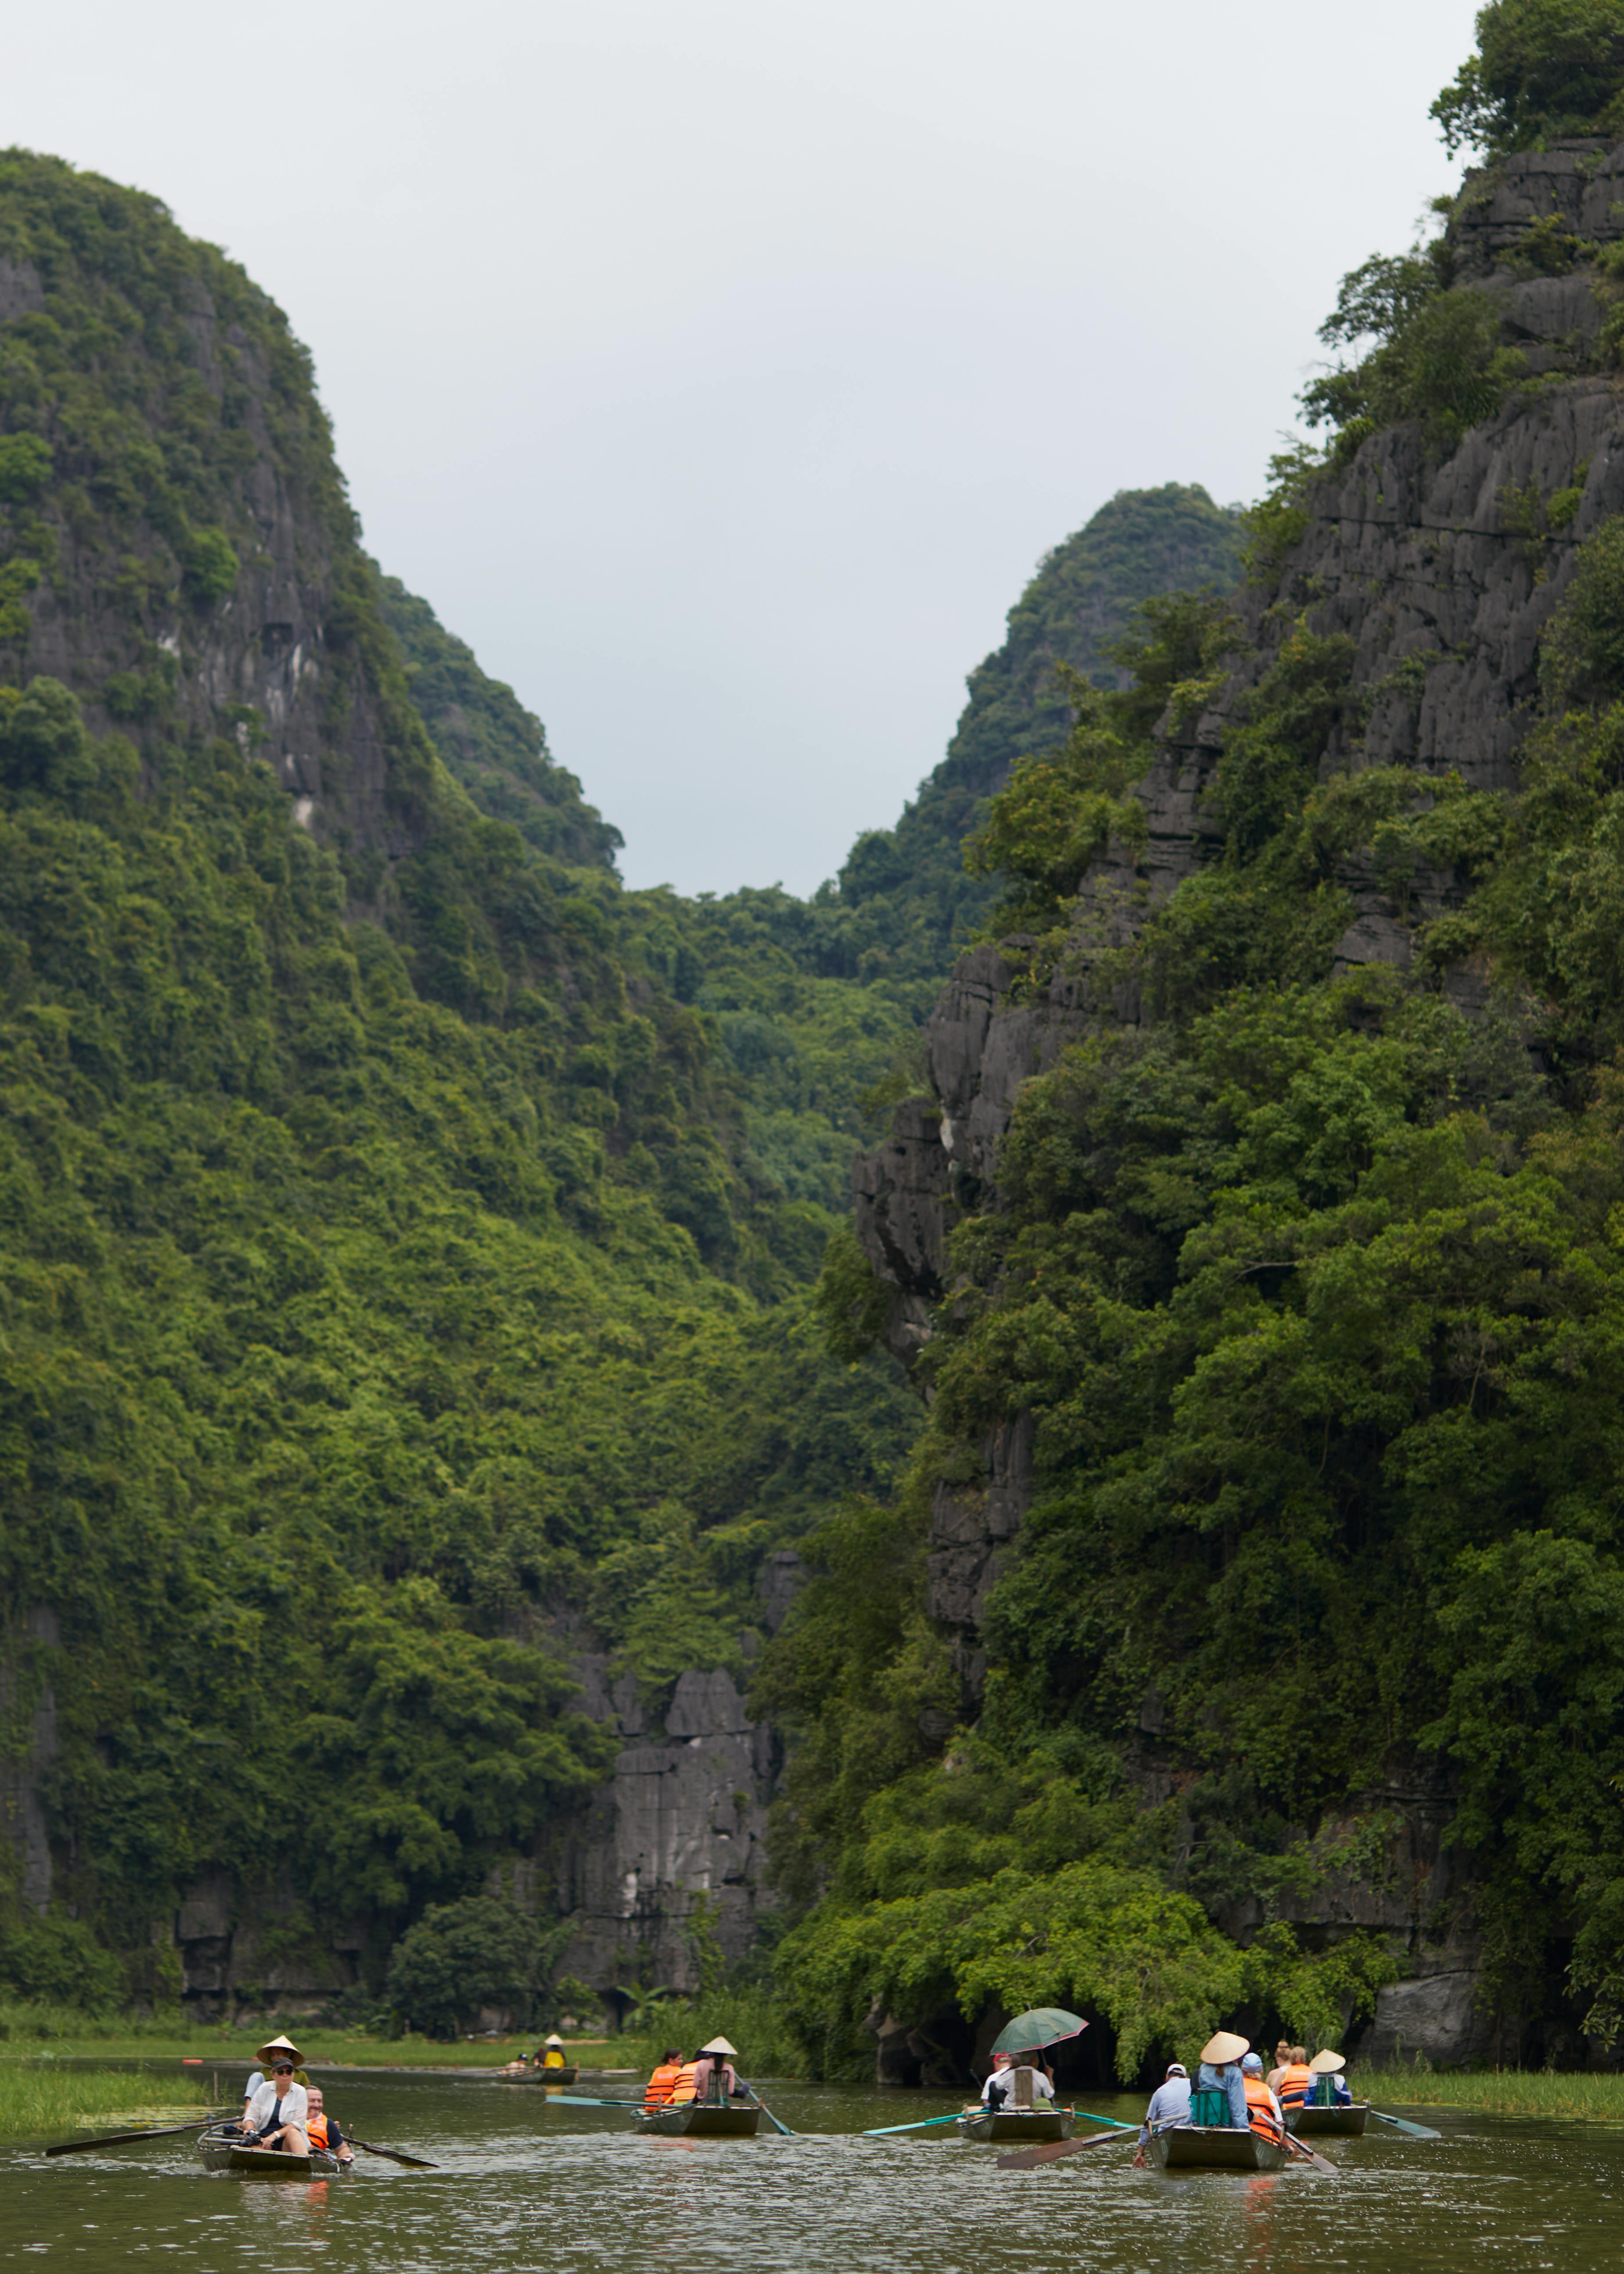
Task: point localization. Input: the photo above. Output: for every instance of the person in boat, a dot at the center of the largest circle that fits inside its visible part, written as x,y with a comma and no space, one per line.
268,2052
1262,2109
323,2131
1218,2081
714,2076
1003,2086
1330,2089
1168,2109
550,2052
1291,2084
657,2092
1282,2060
276,2114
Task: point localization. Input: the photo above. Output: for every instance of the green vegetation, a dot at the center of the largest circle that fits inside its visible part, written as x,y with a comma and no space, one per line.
1581,2097
1542,69
1311,1287
40,2099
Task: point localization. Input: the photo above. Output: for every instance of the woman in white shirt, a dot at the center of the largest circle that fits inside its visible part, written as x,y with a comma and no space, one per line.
276,2117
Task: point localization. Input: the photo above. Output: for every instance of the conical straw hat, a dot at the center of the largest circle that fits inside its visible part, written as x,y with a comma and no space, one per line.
1226,2046
553,2040
1327,2064
720,2045
268,2053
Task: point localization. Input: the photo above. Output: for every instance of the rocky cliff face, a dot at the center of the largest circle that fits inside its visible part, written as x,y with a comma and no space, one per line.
1441,570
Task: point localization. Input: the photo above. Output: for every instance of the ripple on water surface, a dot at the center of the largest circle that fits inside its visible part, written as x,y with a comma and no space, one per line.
531,2187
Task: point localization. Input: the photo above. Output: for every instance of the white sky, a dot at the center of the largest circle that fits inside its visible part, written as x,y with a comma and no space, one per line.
720,369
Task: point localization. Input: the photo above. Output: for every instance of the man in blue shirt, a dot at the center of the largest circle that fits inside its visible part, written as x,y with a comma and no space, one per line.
1170,2107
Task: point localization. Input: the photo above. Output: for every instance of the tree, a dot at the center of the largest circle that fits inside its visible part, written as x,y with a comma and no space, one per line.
459,1957
1542,68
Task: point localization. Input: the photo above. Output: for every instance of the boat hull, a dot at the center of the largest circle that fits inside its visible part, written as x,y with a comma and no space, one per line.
1214,2147
265,2163
1329,2123
560,2076
695,2120
1031,2127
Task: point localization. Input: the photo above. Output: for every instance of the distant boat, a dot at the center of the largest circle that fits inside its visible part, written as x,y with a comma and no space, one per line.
1030,2125
699,2119
222,2150
1214,2147
1317,2123
565,2075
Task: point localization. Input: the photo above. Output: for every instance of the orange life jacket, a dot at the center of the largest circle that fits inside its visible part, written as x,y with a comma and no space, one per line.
1294,2084
682,2083
1259,2108
661,2085
316,2131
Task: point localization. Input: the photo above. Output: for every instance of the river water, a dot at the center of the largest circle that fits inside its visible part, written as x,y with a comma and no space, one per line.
527,2185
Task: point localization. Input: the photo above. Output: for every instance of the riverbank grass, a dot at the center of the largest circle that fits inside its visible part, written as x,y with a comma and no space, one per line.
1574,2096
51,2100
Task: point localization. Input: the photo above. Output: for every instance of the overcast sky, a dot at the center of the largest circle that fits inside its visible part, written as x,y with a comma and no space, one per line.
720,369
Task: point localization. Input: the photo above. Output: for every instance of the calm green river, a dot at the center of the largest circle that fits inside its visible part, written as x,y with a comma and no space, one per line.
530,2186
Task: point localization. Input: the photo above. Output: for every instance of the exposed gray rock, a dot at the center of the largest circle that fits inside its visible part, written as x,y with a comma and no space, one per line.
675,1839
1441,2018
21,293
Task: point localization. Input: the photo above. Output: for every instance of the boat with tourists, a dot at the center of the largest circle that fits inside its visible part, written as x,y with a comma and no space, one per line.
222,2149
1028,2127
1214,2147
1346,2123
699,2119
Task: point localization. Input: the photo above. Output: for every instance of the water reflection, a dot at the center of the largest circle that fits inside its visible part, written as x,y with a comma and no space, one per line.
529,2180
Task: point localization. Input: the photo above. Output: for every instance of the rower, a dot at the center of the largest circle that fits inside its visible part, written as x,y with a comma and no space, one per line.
656,2093
1262,2109
552,2053
323,2131
1220,2093
1330,2086
1292,2084
275,2115
715,2078
1168,2109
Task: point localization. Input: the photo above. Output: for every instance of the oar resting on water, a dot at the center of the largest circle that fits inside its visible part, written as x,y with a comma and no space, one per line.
124,2139
395,2155
1027,2159
765,2110
884,2131
1400,2124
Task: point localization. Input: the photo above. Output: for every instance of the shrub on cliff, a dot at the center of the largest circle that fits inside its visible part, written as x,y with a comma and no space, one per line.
1542,69
460,1957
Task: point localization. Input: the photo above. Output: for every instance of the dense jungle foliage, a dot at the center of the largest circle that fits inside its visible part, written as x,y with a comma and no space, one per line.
1312,1285
377,1291
408,1233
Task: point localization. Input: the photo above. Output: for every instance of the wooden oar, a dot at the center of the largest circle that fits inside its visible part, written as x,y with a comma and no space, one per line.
765,2110
123,2139
395,2155
1320,2163
582,2100
1027,2159
885,2131
1401,2124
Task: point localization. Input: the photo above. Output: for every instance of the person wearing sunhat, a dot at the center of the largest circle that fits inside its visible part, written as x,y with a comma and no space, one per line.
552,2053
714,2076
1262,2109
1331,2088
1219,2080
276,2117
1168,2109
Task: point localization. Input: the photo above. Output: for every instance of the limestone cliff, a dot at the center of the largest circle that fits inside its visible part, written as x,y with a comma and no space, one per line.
1440,567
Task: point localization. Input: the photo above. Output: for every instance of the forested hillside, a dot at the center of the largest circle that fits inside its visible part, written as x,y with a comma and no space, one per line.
1250,1631
387,1269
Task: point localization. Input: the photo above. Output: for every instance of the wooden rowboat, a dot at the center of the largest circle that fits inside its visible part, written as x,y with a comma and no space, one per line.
698,2119
1214,2147
565,2075
222,2151
1319,2123
1030,2126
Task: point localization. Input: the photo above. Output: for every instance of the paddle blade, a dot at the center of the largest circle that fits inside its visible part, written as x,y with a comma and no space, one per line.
395,2155
1400,2124
1027,2159
120,2139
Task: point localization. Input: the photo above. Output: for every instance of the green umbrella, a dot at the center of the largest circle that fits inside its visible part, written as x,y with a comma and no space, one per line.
1045,2025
